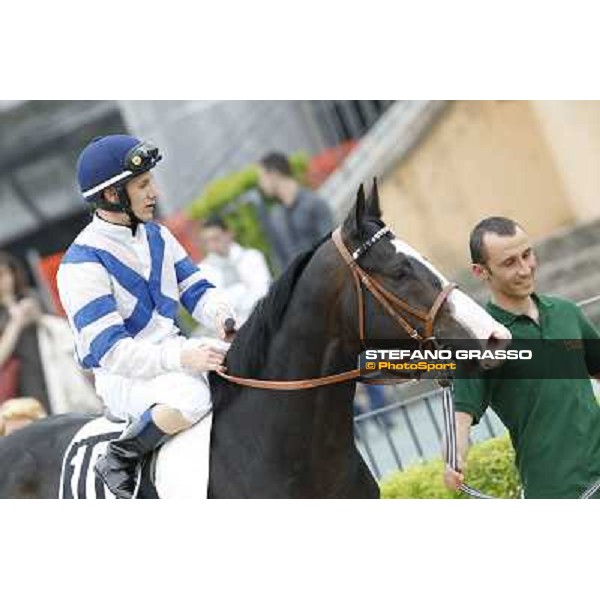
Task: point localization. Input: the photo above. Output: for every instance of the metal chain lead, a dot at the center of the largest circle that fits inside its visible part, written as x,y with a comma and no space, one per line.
450,440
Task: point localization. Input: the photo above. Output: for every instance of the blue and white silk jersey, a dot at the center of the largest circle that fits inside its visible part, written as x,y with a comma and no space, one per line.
121,294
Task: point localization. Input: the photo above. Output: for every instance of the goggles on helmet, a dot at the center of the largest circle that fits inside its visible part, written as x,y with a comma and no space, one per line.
142,157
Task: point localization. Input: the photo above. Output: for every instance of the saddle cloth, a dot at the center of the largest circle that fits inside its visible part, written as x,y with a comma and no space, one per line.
180,468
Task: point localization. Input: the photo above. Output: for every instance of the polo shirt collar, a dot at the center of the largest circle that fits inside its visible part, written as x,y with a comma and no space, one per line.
506,317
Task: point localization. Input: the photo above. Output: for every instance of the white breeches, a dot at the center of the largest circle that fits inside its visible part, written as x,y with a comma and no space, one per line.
129,398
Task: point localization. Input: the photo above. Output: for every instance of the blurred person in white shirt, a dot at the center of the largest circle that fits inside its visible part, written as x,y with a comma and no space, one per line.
240,273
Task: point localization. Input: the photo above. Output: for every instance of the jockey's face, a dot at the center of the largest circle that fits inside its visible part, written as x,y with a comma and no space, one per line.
216,240
143,194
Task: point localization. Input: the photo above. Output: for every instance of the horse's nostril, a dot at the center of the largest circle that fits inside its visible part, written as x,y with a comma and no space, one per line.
492,343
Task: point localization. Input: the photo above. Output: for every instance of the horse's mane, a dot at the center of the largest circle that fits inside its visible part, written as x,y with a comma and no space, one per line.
248,352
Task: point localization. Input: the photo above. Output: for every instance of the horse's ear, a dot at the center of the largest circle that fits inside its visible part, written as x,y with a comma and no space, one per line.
354,220
373,207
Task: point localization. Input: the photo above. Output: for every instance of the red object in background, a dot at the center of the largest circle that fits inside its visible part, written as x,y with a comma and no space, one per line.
47,269
186,230
9,379
322,165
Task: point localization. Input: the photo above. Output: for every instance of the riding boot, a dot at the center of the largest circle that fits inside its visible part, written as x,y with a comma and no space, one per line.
119,467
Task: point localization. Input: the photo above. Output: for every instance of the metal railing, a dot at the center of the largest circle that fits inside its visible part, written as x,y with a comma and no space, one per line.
408,429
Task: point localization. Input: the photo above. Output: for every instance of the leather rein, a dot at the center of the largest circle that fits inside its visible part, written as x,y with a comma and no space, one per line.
391,304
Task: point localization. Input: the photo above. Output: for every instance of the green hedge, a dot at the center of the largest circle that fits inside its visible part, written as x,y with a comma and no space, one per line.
490,468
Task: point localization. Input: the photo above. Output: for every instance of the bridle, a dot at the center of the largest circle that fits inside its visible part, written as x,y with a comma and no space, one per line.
391,303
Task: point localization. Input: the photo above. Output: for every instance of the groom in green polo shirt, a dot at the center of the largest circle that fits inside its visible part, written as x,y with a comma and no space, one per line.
554,424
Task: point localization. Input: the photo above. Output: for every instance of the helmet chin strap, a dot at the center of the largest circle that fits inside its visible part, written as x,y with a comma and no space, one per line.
125,202
122,206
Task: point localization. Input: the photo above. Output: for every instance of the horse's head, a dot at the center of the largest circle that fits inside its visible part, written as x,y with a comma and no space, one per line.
430,307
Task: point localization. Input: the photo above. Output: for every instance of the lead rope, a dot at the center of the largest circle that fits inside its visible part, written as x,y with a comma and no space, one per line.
452,449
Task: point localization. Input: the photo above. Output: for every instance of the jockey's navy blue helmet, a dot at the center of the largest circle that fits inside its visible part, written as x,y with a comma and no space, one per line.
111,161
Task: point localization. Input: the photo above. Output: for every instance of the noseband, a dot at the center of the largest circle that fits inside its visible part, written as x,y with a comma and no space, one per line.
383,296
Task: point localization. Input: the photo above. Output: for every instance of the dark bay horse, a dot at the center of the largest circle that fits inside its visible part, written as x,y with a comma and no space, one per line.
288,444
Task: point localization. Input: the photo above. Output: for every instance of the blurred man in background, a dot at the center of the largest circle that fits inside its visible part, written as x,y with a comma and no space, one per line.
554,424
240,273
300,219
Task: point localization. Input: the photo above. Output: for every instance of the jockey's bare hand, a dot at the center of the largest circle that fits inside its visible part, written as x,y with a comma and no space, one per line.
453,479
199,359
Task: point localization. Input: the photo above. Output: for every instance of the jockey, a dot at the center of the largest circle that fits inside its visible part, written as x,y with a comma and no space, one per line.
120,283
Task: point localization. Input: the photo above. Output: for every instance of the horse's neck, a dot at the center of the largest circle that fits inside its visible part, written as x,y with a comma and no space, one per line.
313,340
305,436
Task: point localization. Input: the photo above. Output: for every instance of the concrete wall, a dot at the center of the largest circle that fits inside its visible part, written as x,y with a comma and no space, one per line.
532,161
572,131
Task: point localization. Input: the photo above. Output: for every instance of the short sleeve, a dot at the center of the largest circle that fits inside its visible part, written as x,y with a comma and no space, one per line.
471,396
